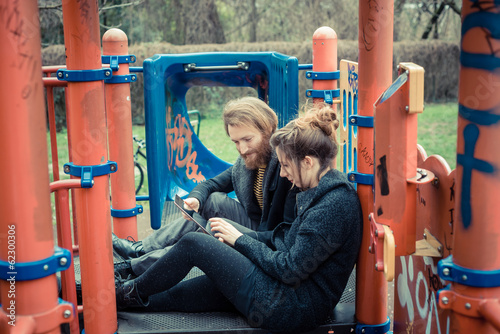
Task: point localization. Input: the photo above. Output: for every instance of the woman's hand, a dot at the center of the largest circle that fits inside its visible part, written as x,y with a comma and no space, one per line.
224,231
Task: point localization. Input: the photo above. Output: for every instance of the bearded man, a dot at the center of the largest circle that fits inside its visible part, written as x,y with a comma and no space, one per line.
264,199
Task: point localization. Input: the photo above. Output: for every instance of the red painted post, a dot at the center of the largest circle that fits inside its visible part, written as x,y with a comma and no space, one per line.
374,77
324,59
121,150
88,137
477,231
26,233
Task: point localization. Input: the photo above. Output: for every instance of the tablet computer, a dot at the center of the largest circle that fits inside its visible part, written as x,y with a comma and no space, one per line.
179,203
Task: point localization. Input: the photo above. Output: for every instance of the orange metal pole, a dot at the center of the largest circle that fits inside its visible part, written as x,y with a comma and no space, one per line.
477,231
26,226
324,58
121,150
374,77
87,133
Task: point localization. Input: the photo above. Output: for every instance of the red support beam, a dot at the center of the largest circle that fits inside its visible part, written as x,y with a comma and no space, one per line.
88,146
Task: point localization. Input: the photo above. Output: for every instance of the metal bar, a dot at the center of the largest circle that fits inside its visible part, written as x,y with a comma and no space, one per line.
88,136
26,223
477,186
374,76
121,149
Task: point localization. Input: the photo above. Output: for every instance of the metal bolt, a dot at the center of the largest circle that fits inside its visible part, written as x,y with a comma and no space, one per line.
376,233
352,177
363,330
308,75
370,249
112,168
60,74
353,120
440,249
315,75
66,169
376,266
464,277
186,69
444,300
46,267
446,272
407,108
407,72
67,314
63,261
107,73
369,218
133,77
468,306
399,66
425,236
435,182
67,75
132,59
140,210
308,93
352,330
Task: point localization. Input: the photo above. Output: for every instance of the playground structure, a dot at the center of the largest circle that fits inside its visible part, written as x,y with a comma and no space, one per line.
433,230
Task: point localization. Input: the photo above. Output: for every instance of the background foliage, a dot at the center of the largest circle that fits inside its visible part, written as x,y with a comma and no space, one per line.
285,26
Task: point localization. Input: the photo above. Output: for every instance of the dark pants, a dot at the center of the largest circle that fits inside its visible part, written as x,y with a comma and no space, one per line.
224,267
161,241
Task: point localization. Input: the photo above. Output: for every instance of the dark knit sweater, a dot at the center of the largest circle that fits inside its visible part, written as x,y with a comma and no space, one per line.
278,202
300,279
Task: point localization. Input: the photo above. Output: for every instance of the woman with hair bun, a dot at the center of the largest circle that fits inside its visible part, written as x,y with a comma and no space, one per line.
290,284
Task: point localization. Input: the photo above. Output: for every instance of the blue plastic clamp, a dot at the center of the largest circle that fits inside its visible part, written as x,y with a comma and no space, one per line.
360,178
327,95
26,271
363,121
84,75
87,173
126,213
114,61
335,75
126,78
449,271
374,329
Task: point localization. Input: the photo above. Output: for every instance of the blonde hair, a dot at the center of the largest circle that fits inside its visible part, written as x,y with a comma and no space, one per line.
250,111
312,134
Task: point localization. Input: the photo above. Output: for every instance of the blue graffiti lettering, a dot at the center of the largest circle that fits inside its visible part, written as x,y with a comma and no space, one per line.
488,21
469,163
480,117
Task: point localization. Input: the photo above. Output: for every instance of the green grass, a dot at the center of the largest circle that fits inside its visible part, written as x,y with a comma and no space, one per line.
437,131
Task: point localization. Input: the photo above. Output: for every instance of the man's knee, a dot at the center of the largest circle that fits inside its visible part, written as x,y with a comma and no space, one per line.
214,204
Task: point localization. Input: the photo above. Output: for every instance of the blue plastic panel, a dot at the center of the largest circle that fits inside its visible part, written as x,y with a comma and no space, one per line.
177,160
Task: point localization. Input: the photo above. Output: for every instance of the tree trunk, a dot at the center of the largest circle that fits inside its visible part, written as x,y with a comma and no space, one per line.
201,22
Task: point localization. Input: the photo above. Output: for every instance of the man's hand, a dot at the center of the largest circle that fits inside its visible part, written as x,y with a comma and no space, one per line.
224,231
191,203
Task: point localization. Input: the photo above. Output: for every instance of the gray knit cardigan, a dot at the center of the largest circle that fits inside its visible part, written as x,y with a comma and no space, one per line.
299,279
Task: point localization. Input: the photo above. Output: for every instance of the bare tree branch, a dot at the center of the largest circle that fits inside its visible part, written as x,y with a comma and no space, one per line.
133,3
453,6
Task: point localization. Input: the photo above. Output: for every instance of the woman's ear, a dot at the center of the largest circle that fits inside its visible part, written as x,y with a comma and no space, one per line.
308,162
